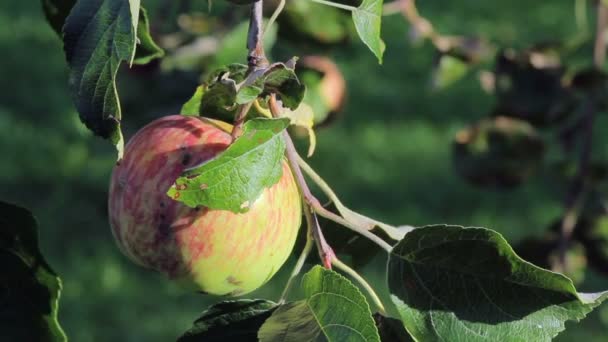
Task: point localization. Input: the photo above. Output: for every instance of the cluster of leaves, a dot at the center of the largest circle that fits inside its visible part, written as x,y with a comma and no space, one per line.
439,291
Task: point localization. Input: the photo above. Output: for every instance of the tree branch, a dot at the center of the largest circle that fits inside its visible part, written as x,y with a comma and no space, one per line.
578,188
256,57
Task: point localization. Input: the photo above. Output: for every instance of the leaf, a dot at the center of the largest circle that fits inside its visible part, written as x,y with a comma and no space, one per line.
193,106
219,98
334,310
29,288
147,50
368,22
98,36
236,178
448,71
467,284
237,320
303,117
282,80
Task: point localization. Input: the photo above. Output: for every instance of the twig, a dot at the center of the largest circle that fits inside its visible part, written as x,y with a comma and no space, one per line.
239,120
343,267
274,16
325,251
299,264
578,188
256,57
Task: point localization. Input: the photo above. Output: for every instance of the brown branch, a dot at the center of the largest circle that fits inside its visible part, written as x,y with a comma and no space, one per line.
256,57
578,188
326,253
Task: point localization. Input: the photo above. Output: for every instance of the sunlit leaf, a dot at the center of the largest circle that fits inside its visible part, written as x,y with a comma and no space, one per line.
236,178
368,21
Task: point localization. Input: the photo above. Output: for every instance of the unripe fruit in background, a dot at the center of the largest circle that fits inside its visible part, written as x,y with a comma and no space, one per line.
221,252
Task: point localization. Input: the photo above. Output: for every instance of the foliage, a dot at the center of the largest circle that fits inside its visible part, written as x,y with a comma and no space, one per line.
29,288
253,91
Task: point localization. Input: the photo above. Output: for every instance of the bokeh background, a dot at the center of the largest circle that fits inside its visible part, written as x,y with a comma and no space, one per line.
388,155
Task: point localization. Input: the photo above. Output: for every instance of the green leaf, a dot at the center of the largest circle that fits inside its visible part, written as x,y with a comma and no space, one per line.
147,50
98,36
193,106
448,71
282,80
219,98
236,178
334,310
467,284
368,21
29,288
237,320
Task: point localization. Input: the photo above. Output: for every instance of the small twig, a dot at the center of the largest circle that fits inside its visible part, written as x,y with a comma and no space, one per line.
274,16
325,251
239,120
319,209
578,188
393,232
299,264
599,51
335,4
346,269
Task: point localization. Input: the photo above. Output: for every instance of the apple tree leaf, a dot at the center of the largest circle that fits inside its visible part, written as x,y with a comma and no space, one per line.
451,283
334,310
193,106
56,11
236,178
235,320
29,288
146,50
280,78
98,36
368,20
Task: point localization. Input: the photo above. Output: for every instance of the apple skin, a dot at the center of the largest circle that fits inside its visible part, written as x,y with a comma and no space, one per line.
220,252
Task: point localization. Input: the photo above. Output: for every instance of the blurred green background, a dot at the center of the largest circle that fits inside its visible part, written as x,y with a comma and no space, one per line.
388,156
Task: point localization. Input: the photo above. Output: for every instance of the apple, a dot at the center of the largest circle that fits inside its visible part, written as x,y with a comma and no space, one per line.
221,252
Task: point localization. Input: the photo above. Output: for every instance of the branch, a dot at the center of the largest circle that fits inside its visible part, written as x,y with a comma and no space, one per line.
325,251
256,57
578,188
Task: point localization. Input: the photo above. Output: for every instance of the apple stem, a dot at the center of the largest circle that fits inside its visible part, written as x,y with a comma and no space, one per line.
356,276
299,264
